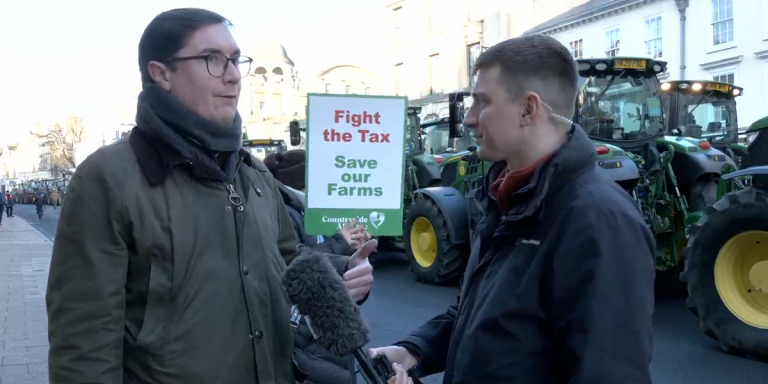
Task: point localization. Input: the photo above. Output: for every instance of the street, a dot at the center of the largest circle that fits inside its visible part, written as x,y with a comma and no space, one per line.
683,355
46,226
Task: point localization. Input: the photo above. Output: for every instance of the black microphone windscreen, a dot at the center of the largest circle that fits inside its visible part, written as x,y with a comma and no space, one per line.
318,292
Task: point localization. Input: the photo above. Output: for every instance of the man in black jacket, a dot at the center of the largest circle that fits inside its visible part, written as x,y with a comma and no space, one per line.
559,284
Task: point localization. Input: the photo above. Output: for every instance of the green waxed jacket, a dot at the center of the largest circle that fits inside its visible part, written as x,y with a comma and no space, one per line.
161,276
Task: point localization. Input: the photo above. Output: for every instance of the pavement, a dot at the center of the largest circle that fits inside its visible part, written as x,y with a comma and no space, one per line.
396,306
25,255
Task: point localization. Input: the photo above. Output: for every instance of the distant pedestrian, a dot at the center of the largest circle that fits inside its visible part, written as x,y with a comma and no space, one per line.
8,206
55,198
2,206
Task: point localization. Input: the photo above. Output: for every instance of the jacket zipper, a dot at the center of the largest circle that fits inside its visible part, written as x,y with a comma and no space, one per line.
236,201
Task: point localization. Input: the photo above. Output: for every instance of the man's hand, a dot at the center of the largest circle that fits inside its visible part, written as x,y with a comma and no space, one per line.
401,376
359,276
395,354
353,233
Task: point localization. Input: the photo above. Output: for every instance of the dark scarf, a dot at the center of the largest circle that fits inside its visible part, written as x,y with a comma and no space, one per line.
195,138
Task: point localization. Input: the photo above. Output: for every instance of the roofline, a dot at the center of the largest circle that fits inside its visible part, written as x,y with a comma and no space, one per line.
351,65
588,16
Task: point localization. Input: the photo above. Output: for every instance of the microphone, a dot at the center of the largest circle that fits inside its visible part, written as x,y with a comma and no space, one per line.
319,294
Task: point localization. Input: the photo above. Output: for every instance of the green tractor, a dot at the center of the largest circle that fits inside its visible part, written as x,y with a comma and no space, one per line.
421,170
726,261
705,110
437,224
620,104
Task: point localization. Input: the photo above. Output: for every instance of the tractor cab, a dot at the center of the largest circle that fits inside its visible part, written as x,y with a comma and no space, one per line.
446,136
704,110
619,109
261,148
618,101
422,169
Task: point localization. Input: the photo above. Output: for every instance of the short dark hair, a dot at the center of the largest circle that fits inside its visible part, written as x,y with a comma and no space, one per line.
535,63
167,33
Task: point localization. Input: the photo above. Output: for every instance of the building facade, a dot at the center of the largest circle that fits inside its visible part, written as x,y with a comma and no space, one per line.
435,43
721,40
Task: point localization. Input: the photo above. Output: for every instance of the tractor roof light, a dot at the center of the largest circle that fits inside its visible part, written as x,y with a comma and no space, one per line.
683,86
696,87
584,66
602,150
736,92
601,66
704,145
657,67
666,86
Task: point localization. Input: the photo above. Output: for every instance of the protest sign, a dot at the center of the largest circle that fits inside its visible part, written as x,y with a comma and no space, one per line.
355,163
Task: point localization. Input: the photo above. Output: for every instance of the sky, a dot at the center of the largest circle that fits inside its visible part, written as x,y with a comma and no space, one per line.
79,57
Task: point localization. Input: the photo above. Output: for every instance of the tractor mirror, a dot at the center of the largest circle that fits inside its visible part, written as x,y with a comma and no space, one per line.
295,133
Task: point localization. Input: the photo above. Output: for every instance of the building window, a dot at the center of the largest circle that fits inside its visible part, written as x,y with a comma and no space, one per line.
261,105
653,37
577,48
612,40
327,88
722,21
367,90
720,111
348,89
725,78
473,52
434,74
398,78
397,21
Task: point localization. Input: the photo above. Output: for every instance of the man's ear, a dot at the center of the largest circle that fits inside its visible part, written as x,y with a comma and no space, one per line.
531,106
160,74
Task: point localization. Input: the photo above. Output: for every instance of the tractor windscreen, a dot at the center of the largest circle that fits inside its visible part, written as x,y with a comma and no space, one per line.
620,107
436,139
413,145
264,147
708,114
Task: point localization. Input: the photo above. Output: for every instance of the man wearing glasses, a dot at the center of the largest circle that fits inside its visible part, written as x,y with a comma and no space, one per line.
170,251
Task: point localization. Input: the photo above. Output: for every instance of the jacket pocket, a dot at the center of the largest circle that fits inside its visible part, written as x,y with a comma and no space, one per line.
154,330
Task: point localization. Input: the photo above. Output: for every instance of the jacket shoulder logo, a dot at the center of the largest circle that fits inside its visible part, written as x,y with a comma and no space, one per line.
527,242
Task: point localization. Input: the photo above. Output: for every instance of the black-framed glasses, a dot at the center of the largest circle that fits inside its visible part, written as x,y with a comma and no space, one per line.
217,64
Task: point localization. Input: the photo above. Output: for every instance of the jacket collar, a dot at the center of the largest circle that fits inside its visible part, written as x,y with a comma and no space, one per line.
156,158
576,156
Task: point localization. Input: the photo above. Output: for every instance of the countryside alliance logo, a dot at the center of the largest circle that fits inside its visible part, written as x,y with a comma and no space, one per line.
376,219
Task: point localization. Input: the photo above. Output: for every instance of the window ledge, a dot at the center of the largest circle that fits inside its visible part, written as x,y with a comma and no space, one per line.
762,54
721,63
721,47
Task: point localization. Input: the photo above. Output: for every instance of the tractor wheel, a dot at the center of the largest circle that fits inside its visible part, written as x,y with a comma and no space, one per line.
726,270
703,193
433,258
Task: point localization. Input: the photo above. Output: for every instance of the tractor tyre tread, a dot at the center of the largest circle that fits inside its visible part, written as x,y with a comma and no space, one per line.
451,258
736,212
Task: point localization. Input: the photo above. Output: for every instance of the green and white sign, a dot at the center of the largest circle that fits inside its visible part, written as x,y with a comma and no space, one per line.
355,163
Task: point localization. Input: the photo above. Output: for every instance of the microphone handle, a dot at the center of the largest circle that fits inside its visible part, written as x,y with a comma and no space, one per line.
378,370
367,369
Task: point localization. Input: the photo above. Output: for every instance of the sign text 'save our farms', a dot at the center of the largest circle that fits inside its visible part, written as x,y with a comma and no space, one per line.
355,162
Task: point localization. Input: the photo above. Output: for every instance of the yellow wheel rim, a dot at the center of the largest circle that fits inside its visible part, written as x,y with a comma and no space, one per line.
741,277
423,242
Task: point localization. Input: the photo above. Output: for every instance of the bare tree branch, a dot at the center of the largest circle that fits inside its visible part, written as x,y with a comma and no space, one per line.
60,141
